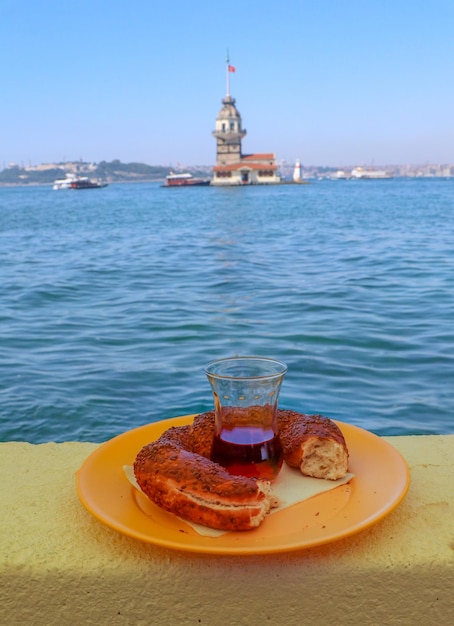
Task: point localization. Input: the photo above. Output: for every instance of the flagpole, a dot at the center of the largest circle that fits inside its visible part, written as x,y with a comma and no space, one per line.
227,75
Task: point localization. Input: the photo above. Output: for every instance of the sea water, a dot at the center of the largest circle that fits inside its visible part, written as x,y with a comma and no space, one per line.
113,300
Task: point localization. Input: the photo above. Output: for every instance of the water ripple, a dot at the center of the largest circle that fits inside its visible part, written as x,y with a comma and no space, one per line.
112,302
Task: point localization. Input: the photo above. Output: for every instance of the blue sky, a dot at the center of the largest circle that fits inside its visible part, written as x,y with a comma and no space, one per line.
327,81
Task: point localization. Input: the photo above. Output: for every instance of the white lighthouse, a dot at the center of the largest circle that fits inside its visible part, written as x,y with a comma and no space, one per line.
297,178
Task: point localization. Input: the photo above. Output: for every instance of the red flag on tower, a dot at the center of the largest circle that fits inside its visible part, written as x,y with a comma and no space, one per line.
232,68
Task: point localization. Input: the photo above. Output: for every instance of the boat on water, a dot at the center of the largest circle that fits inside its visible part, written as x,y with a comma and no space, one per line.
77,182
185,179
359,172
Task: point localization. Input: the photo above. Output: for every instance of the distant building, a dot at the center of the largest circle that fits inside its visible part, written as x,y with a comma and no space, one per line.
232,166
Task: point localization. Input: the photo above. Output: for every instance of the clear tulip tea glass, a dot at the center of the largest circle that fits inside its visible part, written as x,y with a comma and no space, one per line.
246,391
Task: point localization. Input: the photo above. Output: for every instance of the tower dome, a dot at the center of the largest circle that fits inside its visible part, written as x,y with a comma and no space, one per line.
228,132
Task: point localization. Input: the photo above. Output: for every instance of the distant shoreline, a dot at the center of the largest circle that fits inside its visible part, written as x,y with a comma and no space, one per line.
116,171
305,181
113,182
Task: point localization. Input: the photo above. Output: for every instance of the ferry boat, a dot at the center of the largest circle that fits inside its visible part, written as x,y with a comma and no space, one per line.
359,172
77,182
184,179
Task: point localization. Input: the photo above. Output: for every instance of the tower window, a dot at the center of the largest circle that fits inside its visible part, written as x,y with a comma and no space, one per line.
232,125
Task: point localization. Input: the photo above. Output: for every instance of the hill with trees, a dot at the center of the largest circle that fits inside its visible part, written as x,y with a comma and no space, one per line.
113,171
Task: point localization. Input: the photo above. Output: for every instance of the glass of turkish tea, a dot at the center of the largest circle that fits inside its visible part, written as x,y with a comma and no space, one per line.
246,391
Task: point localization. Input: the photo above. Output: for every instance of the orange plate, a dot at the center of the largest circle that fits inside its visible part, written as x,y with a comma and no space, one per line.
381,481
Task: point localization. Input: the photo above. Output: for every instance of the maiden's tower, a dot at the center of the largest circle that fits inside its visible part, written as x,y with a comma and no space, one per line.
232,166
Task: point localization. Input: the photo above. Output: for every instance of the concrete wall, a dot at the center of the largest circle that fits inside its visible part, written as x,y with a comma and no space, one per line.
61,566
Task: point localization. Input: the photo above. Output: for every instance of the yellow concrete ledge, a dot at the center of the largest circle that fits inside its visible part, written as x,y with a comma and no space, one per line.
61,566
